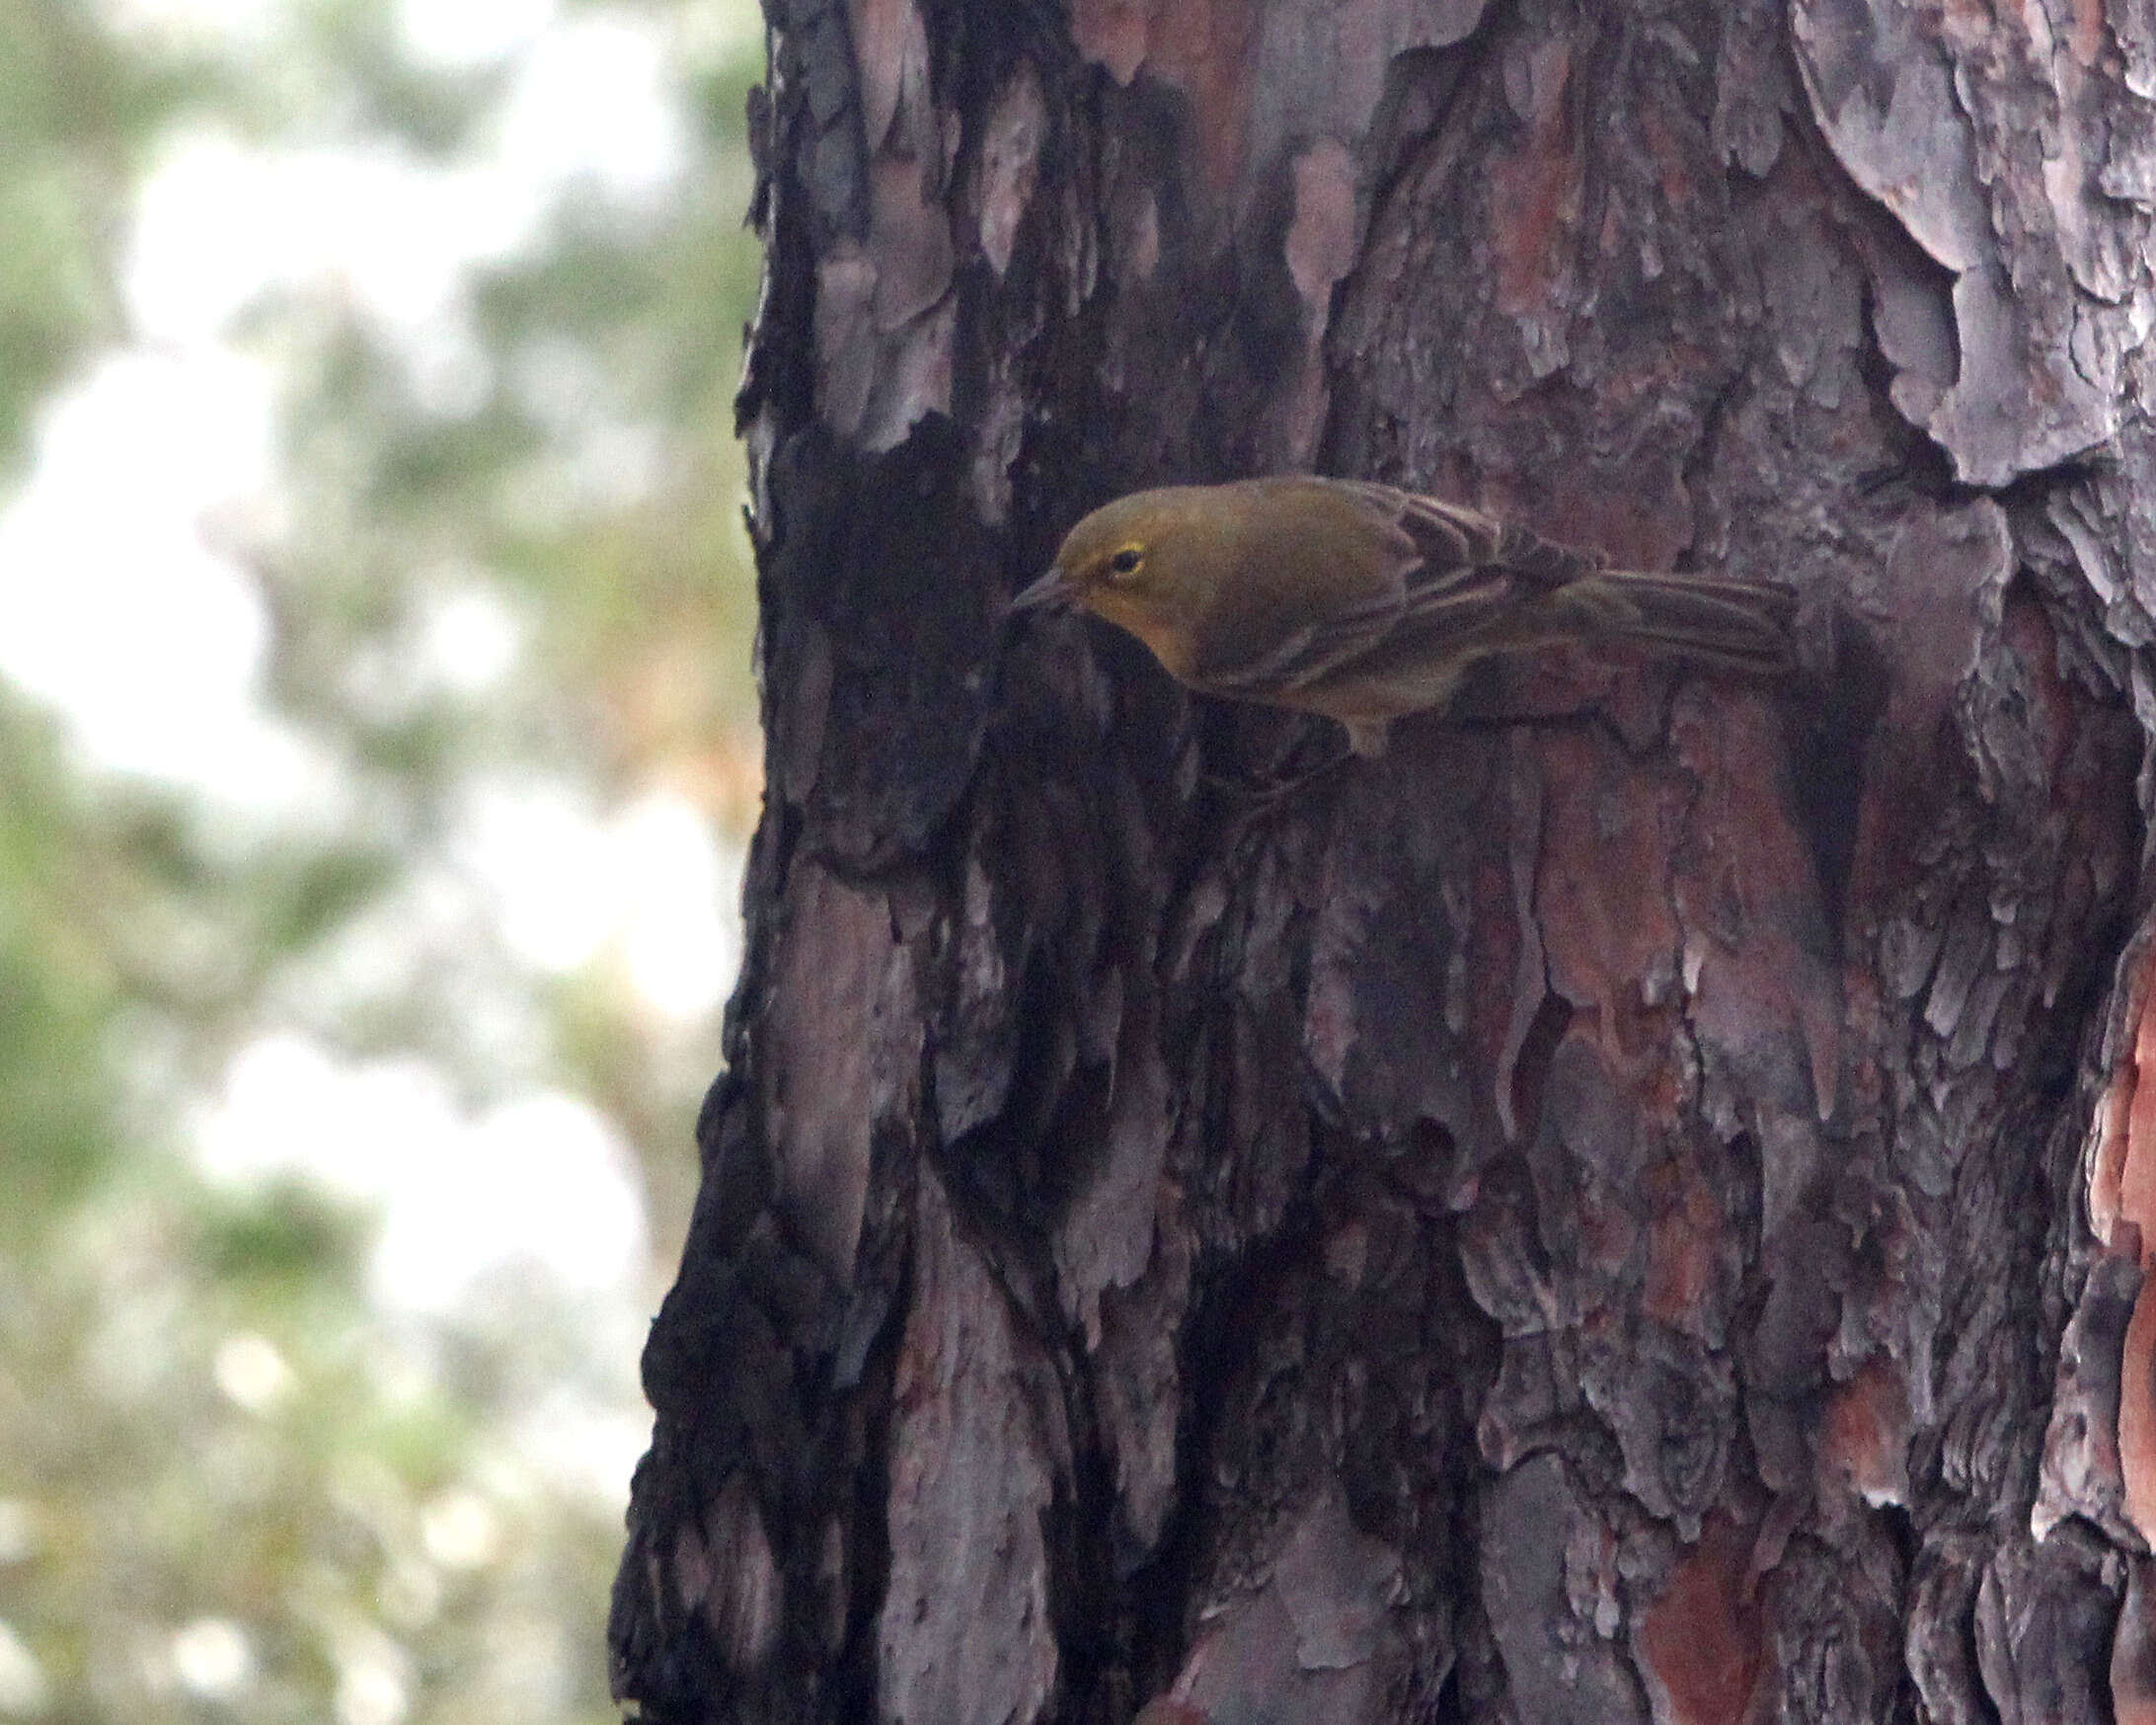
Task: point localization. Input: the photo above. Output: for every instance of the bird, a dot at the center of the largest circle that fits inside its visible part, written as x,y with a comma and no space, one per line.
1365,603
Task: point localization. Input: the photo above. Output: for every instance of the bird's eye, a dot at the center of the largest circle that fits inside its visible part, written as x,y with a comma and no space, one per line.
1125,562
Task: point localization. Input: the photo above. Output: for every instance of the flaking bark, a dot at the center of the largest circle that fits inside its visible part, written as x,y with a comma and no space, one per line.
1631,1208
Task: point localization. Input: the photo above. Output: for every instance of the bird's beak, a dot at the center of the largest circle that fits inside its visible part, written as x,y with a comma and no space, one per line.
1051,592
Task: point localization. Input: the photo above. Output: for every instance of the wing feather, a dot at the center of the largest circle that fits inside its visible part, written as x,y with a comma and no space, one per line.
1451,586
1467,570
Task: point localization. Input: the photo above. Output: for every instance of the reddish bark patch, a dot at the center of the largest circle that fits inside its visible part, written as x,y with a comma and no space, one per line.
1685,1242
2122,1214
1201,48
2085,32
1609,934
2122,1183
2137,1414
1864,1440
1538,188
1112,34
891,56
1321,238
2028,632
1320,247
1700,1641
1748,892
1669,158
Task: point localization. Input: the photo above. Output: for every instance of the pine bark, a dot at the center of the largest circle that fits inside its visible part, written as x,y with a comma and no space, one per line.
1633,1208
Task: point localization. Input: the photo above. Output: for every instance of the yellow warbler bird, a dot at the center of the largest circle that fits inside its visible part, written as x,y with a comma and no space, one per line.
1363,602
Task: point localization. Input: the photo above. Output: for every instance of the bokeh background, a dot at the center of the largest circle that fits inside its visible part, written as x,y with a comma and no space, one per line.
377,746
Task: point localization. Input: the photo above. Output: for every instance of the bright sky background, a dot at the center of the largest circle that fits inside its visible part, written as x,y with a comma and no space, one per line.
143,466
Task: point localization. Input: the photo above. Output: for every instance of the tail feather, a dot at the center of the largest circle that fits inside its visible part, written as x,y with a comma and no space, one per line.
1738,625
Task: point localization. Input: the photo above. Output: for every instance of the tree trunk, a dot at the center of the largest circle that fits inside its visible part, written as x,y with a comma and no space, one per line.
1630,1208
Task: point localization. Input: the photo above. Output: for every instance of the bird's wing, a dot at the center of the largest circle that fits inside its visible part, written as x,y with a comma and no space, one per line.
1464,571
1463,549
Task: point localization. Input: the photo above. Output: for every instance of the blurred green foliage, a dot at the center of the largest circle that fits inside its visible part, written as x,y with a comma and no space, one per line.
231,1486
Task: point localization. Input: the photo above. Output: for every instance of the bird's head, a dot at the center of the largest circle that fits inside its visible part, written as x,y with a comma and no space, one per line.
1130,562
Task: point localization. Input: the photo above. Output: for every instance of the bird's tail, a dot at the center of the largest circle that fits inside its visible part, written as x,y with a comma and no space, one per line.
1739,626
